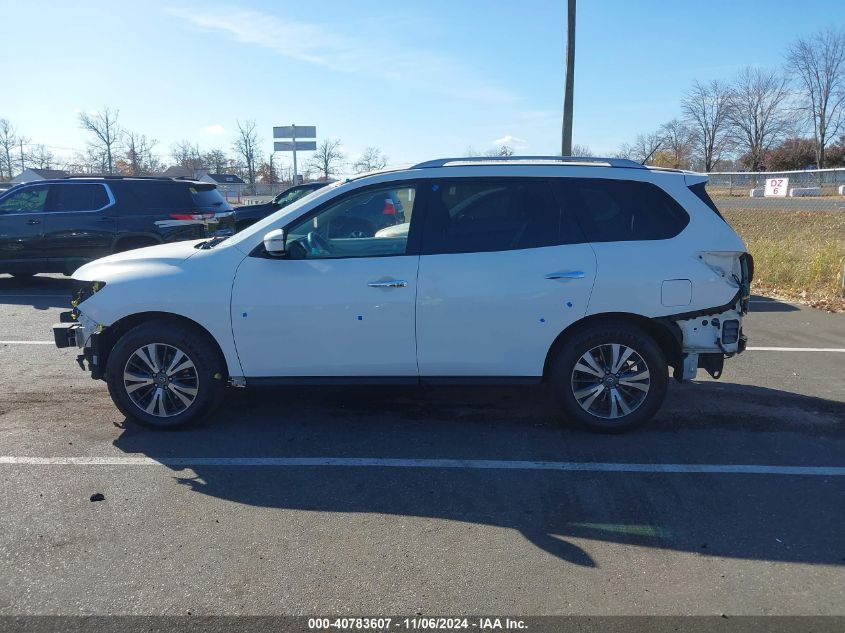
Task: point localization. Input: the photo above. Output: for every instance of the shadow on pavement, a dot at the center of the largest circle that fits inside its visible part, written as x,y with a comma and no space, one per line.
39,292
761,517
768,304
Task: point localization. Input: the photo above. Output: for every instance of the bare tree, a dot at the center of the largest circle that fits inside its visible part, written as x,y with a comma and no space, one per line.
246,145
216,161
187,155
92,161
642,149
676,141
581,150
103,125
705,109
370,160
139,154
501,150
40,157
819,62
8,143
327,158
758,113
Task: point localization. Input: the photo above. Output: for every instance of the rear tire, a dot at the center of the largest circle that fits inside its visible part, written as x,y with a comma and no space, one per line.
610,377
165,374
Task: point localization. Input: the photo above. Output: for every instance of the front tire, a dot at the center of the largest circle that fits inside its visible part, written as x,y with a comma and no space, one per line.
610,377
165,374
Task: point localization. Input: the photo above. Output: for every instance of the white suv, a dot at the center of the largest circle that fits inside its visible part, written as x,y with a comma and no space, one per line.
592,275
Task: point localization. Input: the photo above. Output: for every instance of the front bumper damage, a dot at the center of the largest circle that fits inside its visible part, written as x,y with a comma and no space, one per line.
75,329
85,336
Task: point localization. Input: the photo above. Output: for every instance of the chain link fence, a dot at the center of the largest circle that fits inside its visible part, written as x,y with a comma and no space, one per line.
798,241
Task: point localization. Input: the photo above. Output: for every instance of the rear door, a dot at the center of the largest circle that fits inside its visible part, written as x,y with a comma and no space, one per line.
503,271
80,225
22,217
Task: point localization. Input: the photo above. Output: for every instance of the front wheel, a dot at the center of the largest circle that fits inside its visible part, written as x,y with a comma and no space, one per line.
165,374
610,377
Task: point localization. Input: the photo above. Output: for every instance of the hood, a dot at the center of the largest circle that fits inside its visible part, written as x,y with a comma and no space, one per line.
157,259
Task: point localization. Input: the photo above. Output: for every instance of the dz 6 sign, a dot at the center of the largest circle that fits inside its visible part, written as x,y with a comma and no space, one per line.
776,187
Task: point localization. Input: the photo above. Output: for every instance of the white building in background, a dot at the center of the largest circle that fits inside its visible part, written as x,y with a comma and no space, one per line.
229,185
30,174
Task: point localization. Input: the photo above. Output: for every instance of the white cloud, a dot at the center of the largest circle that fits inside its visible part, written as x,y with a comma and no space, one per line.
215,129
511,141
380,57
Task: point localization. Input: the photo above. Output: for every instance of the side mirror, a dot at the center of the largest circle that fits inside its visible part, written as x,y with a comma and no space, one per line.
274,242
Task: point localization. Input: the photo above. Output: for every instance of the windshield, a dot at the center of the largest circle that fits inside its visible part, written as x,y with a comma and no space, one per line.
316,196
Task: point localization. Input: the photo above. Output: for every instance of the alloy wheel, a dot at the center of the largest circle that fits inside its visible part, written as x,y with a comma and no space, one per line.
610,381
161,380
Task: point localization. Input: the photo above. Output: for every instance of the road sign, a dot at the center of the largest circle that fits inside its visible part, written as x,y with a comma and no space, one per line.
299,146
776,187
295,131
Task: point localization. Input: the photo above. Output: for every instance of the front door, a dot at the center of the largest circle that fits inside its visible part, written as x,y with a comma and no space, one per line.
503,271
339,303
22,220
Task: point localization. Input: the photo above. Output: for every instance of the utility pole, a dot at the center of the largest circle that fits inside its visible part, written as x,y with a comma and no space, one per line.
22,165
566,145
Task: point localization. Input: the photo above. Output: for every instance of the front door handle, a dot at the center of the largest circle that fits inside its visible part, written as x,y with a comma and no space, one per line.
33,221
567,274
391,283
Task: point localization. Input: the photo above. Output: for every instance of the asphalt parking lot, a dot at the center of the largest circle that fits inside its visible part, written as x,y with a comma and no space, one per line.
441,501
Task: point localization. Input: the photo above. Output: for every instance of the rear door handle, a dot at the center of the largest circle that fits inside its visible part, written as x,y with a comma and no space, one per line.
567,274
33,221
391,283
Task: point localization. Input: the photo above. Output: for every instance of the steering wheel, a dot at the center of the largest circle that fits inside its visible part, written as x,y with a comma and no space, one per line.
317,244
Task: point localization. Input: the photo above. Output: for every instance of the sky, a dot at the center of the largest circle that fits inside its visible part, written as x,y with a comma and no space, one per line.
418,80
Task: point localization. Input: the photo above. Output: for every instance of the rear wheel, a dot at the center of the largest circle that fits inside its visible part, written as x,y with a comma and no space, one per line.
165,374
610,377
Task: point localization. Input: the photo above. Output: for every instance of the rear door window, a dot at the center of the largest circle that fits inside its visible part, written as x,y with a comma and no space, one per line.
77,197
622,210
470,215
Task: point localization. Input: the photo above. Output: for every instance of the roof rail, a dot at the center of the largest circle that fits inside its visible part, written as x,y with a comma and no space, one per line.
117,177
609,162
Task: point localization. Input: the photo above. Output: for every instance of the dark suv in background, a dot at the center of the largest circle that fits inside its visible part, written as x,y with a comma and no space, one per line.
55,226
252,213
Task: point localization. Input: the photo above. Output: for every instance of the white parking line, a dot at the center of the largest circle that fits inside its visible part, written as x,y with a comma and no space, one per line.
27,343
49,296
468,464
795,349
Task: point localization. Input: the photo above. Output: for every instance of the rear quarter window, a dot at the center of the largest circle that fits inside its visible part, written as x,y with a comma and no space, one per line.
152,197
622,210
208,199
